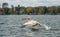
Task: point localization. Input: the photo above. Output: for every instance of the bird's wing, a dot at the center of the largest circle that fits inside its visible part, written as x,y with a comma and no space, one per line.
25,24
37,24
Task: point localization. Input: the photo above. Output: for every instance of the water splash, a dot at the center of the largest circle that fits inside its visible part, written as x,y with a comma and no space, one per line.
46,27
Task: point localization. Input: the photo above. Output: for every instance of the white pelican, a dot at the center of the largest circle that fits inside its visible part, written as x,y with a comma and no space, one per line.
30,22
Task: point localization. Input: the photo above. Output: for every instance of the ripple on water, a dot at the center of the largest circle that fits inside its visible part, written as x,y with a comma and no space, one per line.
10,26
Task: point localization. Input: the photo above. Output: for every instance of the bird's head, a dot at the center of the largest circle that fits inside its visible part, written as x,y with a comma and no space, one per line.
27,19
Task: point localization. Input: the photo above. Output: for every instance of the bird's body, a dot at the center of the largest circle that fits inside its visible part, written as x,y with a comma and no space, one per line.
33,23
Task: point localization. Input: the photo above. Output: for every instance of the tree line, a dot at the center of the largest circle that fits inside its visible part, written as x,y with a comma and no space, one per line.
40,10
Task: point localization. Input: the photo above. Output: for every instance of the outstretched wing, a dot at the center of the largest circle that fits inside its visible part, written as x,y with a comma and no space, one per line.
37,24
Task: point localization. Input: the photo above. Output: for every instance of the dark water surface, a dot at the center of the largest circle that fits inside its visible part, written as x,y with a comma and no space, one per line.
10,26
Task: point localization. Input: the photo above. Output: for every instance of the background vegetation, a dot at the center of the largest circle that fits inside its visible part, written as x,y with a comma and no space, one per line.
40,10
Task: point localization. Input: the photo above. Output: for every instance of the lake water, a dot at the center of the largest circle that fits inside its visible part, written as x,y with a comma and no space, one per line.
10,26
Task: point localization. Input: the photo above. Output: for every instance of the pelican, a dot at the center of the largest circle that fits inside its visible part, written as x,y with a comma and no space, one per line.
33,23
